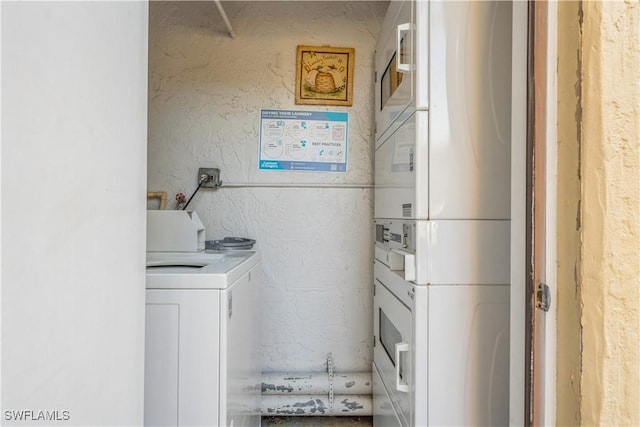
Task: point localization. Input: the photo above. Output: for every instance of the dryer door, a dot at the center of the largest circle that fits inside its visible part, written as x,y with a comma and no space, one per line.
393,350
395,68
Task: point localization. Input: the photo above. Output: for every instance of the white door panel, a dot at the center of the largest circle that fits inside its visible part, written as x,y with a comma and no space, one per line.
192,331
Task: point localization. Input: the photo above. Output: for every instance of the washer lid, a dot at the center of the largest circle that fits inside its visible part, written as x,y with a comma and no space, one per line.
197,270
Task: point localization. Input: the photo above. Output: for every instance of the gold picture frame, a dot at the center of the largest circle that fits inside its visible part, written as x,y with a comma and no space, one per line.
324,75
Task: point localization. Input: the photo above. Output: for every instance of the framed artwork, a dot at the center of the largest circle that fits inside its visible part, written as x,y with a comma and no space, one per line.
324,75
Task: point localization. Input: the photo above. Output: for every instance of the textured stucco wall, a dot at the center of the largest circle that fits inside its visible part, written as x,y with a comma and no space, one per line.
206,91
611,214
598,377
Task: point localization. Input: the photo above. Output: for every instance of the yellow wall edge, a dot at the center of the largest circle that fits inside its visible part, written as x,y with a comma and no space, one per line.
610,257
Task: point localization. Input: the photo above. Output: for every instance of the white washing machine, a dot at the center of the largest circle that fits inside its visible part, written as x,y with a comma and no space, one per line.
202,363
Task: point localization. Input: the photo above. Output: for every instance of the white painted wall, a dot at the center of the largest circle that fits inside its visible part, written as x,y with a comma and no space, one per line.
206,91
74,81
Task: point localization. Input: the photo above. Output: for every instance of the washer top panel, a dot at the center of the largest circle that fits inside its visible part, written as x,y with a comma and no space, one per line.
207,269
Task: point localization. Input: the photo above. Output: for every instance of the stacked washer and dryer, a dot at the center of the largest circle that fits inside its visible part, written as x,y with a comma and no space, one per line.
442,209
202,334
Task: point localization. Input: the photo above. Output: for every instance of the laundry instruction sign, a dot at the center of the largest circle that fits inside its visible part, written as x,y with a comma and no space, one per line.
303,141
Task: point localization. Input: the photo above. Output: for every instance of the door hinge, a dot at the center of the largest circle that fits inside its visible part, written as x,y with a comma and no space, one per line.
543,297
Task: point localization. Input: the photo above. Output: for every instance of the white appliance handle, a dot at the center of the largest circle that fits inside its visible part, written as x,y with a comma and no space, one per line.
400,66
409,264
400,348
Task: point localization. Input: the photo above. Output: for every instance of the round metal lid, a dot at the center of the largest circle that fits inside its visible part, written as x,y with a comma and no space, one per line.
237,243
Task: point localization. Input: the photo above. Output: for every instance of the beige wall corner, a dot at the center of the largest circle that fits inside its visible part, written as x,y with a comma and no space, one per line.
610,258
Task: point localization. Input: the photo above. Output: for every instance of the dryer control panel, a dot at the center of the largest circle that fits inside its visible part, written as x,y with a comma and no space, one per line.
395,246
395,234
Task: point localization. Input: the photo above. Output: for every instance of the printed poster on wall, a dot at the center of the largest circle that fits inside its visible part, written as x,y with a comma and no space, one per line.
303,141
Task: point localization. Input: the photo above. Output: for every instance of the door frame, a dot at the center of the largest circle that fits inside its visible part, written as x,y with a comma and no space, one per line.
550,215
532,378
